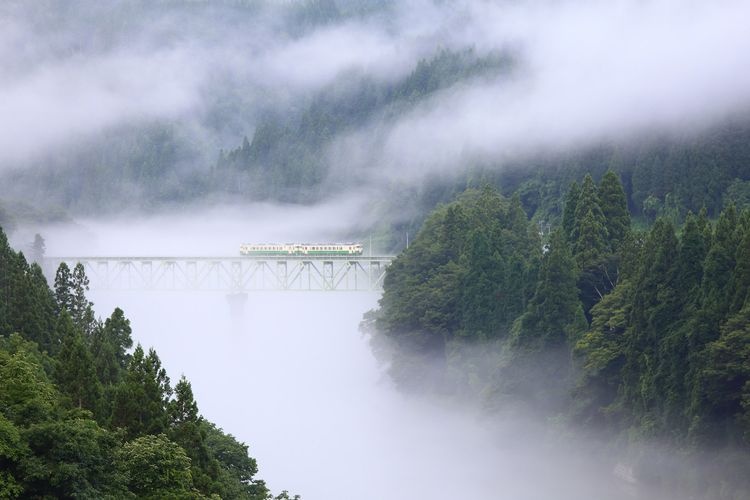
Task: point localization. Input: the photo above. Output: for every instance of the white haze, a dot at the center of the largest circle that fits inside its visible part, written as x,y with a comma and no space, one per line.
295,379
589,71
210,231
586,71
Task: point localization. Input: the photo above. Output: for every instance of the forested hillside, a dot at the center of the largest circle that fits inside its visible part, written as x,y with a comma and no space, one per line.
251,140
83,415
641,333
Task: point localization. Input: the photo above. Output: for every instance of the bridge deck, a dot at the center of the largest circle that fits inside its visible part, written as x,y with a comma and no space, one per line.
232,274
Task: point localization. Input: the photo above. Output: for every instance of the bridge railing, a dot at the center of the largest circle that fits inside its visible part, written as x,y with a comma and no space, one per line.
231,274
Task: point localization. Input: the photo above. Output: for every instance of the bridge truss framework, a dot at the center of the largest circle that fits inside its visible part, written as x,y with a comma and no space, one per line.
231,274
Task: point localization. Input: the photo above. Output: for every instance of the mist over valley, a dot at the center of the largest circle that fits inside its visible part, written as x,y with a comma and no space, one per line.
560,191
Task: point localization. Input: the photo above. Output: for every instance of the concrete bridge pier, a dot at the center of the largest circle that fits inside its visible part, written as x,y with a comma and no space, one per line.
237,301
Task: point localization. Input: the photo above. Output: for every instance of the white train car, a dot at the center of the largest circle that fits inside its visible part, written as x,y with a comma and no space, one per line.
311,249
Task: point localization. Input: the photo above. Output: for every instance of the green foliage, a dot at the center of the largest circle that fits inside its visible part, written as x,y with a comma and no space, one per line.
155,467
664,356
67,401
142,398
71,457
76,375
237,469
552,316
70,292
614,206
569,212
26,304
26,393
589,236
467,275
12,449
724,378
285,156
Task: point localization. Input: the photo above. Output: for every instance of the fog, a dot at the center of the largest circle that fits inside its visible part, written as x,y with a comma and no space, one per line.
584,72
587,72
292,375
294,378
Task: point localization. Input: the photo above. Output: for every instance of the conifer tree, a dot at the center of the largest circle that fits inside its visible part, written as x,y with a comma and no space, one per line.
187,430
539,371
44,309
117,331
6,264
479,301
76,374
614,206
589,235
142,397
739,286
108,367
693,250
721,396
81,311
569,210
717,274
64,288
655,307
552,316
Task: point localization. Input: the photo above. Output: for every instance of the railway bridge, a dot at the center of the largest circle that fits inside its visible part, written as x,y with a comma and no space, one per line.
232,275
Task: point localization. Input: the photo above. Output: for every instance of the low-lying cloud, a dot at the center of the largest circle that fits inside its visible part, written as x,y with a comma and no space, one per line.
584,72
67,101
588,72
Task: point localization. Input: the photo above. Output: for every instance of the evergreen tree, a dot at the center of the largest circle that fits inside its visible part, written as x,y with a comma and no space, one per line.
655,307
117,331
569,210
64,288
539,373
720,263
7,259
43,305
590,244
186,429
589,235
603,353
108,367
722,391
480,301
693,250
614,206
739,286
142,397
76,373
81,310
552,317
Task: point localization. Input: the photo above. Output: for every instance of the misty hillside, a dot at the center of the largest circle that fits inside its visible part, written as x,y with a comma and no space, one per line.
639,334
549,202
81,416
245,115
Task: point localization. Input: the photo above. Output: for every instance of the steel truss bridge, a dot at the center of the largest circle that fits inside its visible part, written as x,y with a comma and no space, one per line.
233,275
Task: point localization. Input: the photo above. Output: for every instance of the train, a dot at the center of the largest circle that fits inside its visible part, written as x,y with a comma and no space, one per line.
312,249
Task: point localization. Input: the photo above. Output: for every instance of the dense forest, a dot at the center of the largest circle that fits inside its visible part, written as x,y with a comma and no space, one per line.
248,142
83,414
643,334
597,278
